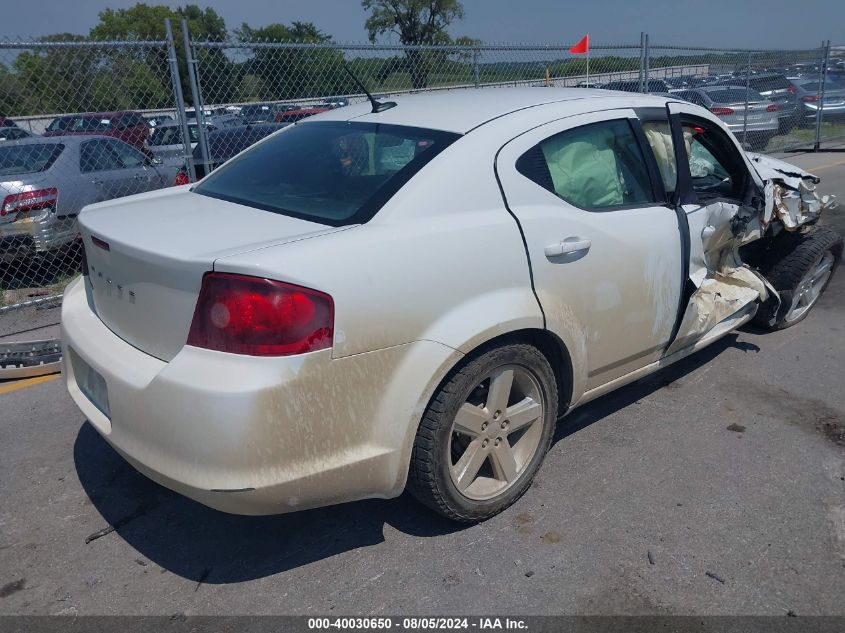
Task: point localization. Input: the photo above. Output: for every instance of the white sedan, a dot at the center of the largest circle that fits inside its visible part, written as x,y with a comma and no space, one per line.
387,297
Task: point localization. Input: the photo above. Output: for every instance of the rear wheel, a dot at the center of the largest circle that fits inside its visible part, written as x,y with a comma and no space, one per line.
485,433
799,267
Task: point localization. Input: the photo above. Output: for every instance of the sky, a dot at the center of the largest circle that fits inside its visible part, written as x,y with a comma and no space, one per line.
718,23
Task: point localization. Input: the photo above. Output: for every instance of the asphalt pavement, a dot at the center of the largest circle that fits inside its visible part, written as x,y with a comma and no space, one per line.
716,486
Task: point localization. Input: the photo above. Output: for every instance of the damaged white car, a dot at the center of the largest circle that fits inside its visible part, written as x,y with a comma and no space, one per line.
410,295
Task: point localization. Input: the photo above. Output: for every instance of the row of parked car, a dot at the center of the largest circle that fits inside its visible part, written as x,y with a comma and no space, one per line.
84,158
777,100
45,180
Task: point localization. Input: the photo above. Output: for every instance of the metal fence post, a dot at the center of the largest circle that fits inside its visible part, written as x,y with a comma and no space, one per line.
180,101
820,95
647,58
196,96
476,71
642,60
747,96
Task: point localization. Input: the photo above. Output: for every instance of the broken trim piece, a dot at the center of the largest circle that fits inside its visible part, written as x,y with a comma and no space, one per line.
30,358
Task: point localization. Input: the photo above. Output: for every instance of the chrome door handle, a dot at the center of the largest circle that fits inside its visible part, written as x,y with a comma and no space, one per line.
567,246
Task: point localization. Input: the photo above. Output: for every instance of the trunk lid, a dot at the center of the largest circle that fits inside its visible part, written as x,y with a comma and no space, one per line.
147,255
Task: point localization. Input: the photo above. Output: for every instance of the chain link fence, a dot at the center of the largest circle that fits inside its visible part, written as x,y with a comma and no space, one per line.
85,121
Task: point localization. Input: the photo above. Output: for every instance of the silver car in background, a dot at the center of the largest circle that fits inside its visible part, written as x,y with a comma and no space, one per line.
166,140
807,90
45,182
759,122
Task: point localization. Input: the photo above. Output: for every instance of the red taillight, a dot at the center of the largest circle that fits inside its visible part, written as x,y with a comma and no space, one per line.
181,179
721,111
772,108
260,317
792,90
29,201
810,99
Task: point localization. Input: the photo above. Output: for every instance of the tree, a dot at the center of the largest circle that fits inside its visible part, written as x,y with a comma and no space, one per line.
416,22
290,73
146,22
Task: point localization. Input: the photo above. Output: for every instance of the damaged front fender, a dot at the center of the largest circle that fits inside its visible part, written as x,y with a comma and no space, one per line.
790,192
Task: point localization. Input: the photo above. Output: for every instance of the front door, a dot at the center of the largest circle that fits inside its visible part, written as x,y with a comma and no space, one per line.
604,245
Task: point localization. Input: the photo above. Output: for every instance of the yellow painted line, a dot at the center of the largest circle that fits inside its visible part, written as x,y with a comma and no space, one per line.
27,382
825,166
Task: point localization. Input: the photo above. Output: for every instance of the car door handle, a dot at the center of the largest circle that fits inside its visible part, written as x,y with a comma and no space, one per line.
567,246
98,182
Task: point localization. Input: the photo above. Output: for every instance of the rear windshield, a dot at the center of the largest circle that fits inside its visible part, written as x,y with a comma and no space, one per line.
80,124
28,159
734,95
334,173
813,86
172,135
764,84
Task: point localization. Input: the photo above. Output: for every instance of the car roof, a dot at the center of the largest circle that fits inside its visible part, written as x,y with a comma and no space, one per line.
720,87
462,110
56,140
96,114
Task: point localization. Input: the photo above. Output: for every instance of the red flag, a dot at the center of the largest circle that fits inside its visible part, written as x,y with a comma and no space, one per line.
581,47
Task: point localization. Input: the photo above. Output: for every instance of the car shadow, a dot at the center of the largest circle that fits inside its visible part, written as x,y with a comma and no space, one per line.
204,545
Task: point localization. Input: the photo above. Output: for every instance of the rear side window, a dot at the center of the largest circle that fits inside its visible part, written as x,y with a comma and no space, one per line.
28,159
335,173
596,166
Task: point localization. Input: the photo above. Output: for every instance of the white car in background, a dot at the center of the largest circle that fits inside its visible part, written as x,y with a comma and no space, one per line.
411,296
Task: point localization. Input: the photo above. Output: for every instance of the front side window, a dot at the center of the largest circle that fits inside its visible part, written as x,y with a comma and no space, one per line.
596,166
716,167
128,155
336,173
97,156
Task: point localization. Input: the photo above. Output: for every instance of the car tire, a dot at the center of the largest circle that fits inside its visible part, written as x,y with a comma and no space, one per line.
788,124
472,467
799,266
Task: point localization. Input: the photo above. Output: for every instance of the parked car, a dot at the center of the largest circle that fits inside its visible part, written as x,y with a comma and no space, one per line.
654,85
807,91
336,102
166,141
44,182
258,113
779,90
373,300
686,81
155,120
126,126
225,143
13,133
294,115
728,103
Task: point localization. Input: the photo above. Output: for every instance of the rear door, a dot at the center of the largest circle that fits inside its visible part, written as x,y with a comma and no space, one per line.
604,246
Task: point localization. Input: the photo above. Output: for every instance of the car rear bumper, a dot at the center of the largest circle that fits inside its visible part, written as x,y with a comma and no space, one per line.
251,435
39,233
